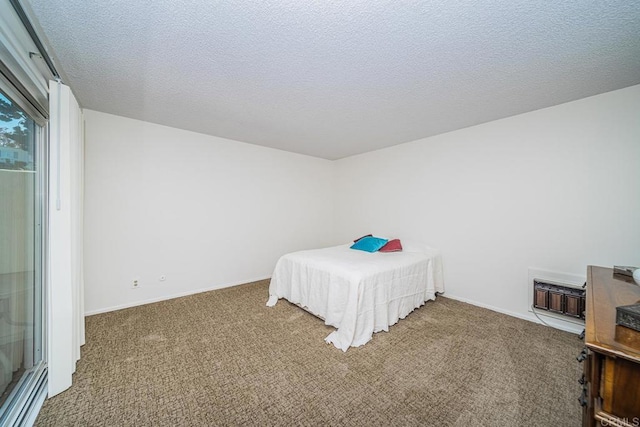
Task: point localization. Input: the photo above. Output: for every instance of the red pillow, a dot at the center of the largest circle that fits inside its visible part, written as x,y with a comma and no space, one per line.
360,238
392,246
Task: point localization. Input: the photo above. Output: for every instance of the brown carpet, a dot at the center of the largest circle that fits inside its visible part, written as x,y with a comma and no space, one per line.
224,358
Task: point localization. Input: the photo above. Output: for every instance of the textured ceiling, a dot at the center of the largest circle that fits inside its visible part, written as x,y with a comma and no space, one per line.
336,78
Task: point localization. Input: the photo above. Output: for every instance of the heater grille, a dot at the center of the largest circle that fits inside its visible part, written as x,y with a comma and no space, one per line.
560,299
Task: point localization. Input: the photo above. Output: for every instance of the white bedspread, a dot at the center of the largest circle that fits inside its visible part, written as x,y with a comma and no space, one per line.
357,292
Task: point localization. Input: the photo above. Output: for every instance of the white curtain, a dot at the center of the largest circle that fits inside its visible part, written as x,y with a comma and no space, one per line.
65,282
12,329
16,272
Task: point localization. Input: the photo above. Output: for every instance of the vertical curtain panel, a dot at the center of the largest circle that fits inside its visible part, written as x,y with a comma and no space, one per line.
65,296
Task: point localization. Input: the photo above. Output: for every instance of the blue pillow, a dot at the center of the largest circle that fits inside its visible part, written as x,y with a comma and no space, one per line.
369,244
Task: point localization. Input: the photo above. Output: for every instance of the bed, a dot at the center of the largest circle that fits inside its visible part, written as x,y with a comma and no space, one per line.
359,293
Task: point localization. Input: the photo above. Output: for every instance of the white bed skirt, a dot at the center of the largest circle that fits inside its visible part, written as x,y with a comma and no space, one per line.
357,292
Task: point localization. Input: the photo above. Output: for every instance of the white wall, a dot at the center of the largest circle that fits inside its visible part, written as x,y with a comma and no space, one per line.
204,211
555,189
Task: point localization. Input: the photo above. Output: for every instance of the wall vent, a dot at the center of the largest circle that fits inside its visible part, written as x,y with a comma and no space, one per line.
557,295
559,299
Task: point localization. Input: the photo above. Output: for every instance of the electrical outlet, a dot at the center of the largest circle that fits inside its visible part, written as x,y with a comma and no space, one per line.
135,284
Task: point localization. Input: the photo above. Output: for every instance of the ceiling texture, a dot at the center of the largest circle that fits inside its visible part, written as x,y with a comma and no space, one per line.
336,78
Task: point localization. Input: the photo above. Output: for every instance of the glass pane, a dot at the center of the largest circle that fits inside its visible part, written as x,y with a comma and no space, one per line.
20,248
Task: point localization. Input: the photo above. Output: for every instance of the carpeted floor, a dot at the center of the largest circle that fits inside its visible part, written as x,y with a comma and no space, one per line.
224,358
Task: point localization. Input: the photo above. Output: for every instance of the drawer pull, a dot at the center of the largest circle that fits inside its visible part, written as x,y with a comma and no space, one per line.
583,400
582,356
583,397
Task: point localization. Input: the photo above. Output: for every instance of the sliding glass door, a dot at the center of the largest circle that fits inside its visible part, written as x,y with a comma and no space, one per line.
22,184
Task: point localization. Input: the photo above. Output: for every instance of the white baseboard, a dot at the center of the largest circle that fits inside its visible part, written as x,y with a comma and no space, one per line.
172,296
555,323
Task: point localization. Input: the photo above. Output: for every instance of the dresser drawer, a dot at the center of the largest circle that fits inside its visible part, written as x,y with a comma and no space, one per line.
620,389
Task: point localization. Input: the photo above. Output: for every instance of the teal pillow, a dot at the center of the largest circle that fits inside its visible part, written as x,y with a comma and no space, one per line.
369,244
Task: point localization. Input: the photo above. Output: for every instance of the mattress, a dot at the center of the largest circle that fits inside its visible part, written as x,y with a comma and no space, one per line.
359,293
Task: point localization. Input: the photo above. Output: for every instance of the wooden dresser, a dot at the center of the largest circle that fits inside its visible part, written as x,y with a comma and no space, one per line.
611,381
